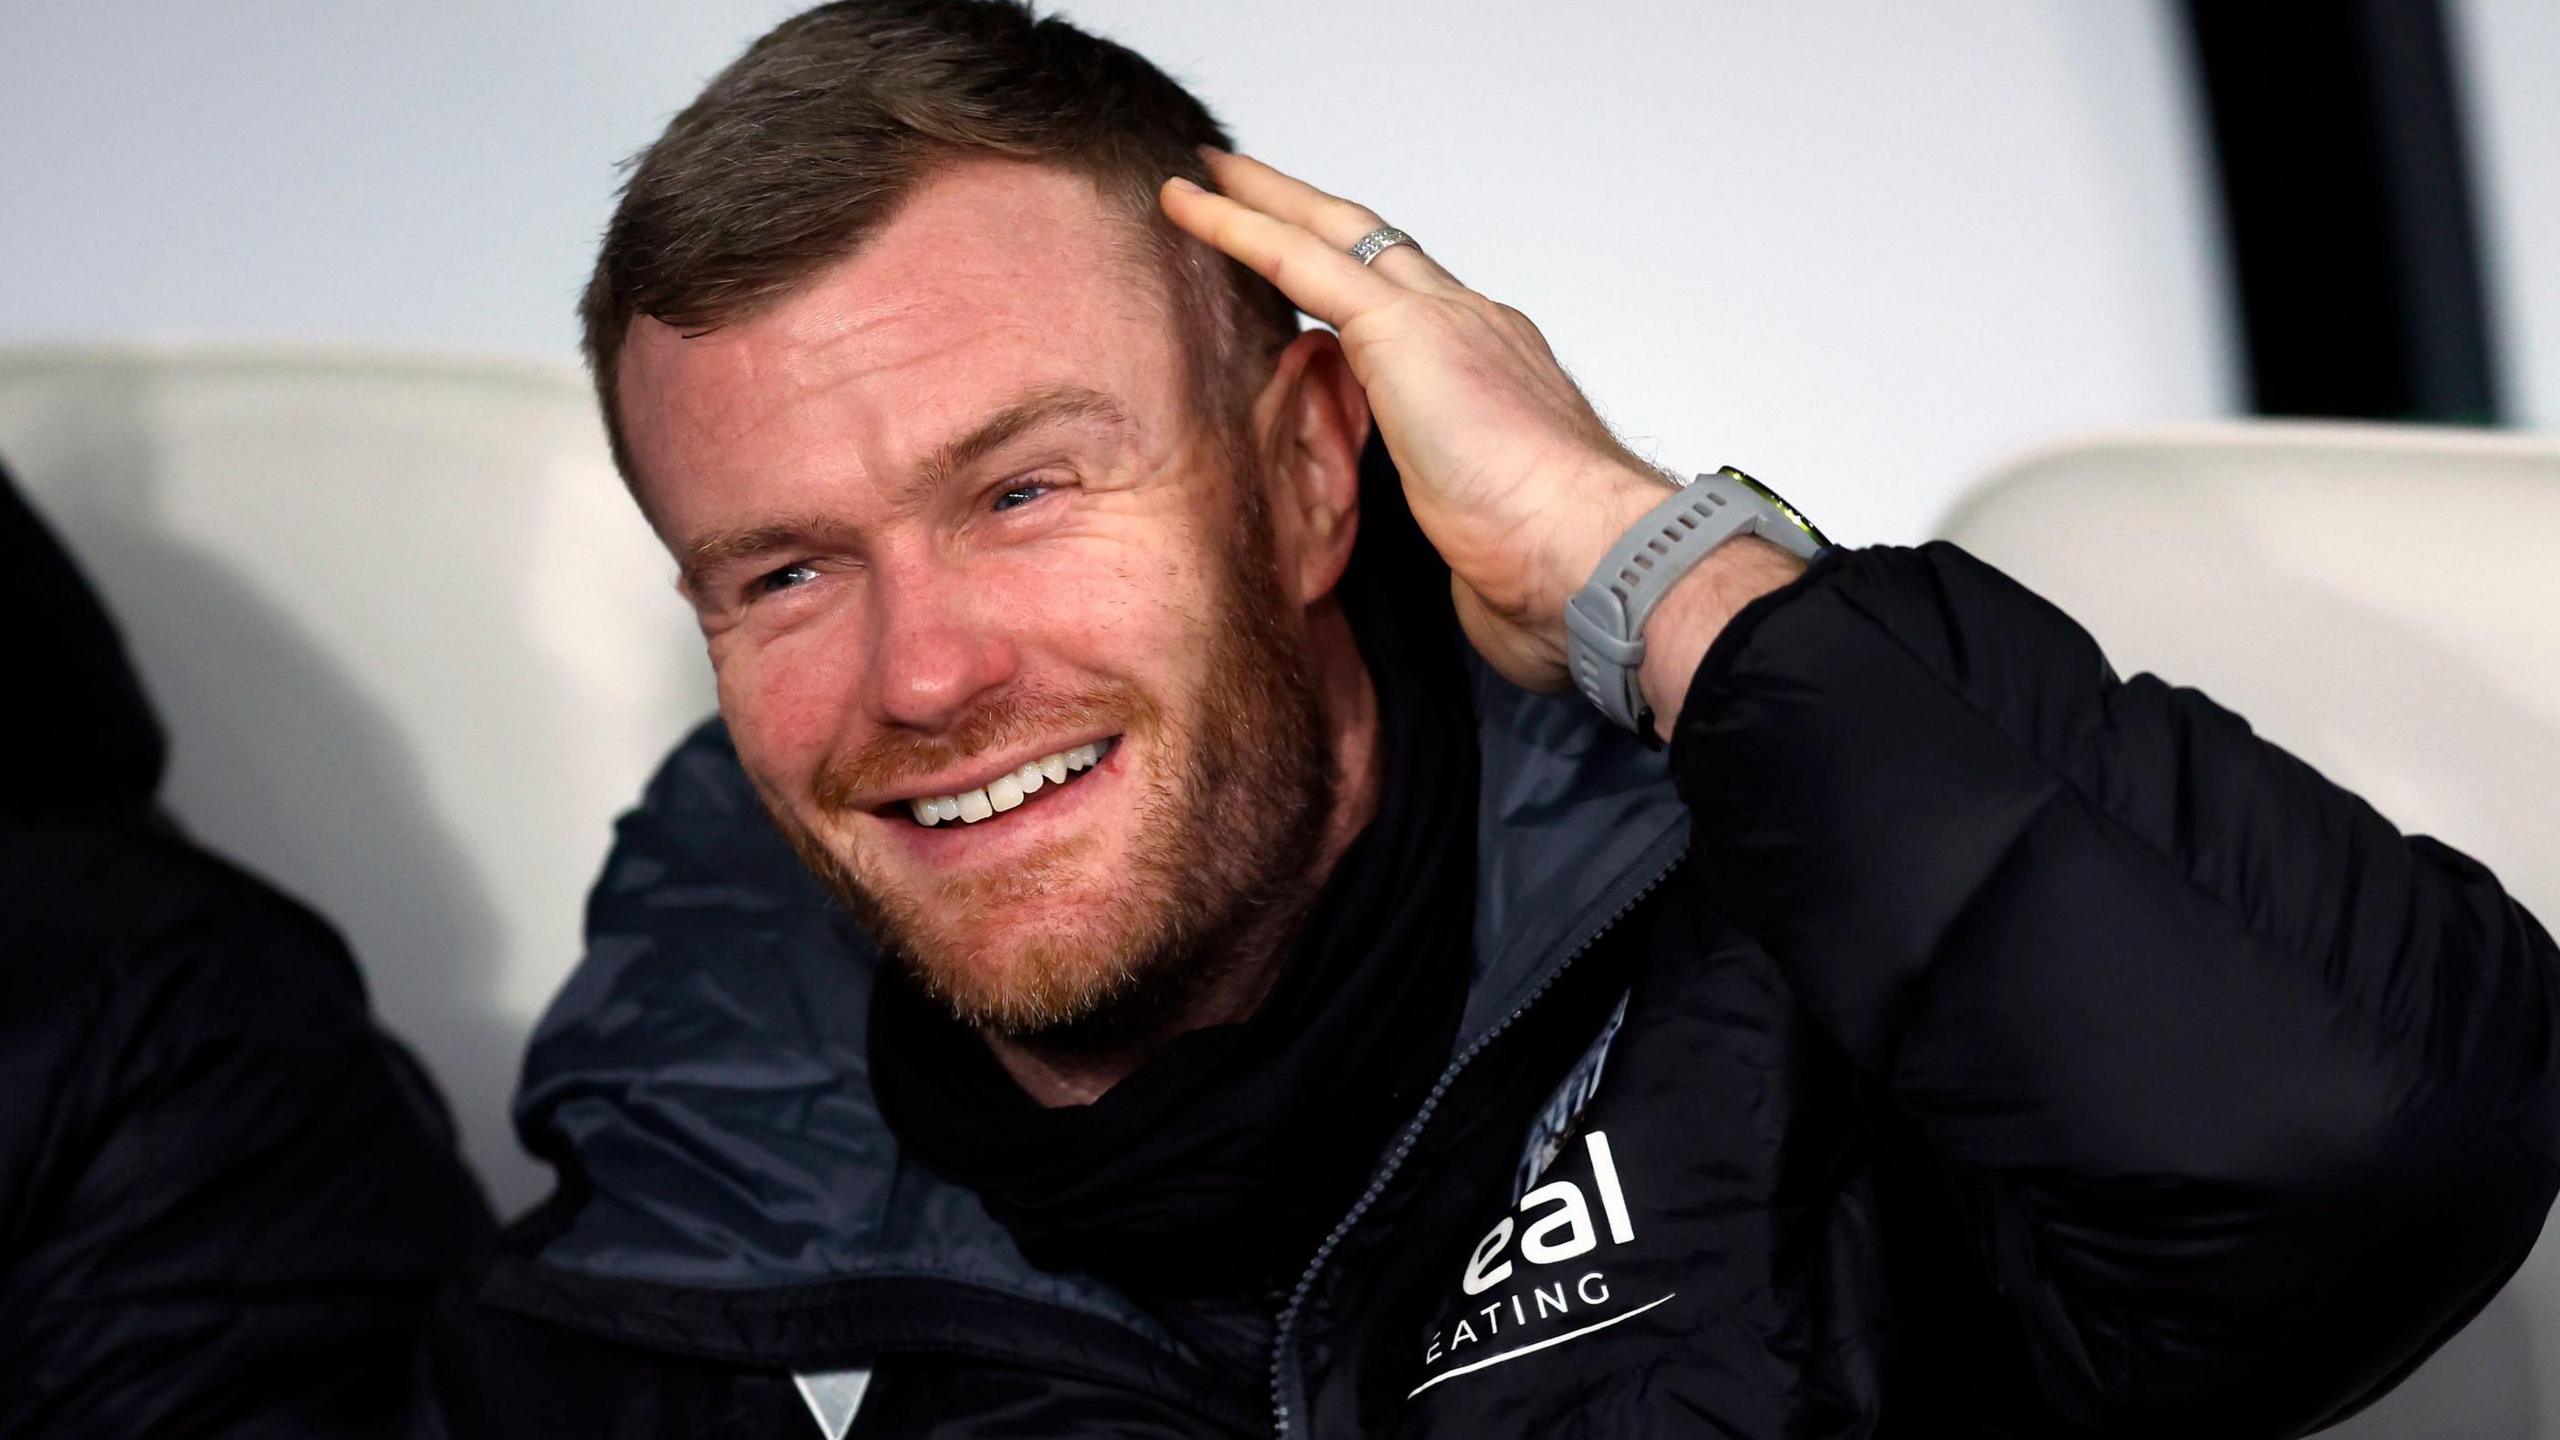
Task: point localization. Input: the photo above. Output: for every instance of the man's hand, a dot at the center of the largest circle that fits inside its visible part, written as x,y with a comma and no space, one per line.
1511,474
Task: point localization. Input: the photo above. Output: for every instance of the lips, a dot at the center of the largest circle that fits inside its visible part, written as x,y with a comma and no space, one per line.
1008,791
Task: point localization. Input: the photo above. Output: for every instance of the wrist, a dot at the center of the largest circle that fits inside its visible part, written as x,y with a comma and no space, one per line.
1606,507
1670,568
1695,611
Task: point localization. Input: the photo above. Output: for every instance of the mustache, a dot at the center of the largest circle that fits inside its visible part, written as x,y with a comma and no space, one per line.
893,761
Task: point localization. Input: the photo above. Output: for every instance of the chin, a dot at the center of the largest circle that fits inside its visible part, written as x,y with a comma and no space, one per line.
1049,938
1026,979
1047,941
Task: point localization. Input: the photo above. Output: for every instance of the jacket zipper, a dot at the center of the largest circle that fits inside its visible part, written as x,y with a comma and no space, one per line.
1282,1369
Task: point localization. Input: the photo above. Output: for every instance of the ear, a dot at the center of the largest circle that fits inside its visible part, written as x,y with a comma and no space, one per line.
1311,422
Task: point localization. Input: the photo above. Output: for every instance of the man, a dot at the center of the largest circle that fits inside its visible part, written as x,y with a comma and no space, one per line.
1208,982
226,1198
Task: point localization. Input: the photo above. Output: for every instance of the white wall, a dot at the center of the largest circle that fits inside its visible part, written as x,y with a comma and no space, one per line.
1859,249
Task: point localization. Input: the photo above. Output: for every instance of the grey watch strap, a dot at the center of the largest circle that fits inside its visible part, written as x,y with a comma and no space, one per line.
1604,622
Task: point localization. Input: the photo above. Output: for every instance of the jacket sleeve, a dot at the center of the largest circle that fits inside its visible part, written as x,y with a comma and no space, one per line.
225,1196
2257,1094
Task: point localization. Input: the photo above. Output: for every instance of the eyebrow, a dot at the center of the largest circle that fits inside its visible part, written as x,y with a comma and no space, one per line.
1047,405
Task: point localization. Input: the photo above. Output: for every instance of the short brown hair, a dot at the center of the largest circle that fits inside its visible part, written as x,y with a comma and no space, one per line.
810,141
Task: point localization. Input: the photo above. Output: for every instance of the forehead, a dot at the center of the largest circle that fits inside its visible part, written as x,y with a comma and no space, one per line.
995,277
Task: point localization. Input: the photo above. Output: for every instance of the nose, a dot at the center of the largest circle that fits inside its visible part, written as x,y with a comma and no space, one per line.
936,647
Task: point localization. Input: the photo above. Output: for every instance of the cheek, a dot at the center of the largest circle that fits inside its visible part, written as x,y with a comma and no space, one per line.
1129,610
785,699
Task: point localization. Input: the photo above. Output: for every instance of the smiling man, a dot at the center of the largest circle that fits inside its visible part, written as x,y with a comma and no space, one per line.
1003,627
1187,924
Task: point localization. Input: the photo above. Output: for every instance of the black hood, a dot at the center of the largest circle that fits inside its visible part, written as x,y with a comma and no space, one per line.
77,736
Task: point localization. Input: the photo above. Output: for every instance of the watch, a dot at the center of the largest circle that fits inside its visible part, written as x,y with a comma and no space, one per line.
1604,621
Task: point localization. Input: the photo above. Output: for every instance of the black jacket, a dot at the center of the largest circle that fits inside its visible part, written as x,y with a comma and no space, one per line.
225,1197
1950,1038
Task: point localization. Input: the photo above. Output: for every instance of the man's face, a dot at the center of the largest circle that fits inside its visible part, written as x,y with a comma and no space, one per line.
999,638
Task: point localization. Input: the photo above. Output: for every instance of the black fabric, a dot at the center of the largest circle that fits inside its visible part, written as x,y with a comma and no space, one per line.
2017,1051
2250,1099
2346,186
78,737
1213,1169
225,1197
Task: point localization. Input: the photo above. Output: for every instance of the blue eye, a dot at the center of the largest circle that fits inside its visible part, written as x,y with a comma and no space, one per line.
1020,495
789,577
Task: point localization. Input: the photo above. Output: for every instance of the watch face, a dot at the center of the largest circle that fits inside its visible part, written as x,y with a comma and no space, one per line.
1780,501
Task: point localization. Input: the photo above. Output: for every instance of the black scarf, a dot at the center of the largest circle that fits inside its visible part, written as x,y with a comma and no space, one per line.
1217,1165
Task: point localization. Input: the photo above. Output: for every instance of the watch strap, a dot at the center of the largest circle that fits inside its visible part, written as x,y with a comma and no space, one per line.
1604,621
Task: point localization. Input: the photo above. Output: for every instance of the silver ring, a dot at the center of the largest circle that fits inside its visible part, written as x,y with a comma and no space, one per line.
1375,243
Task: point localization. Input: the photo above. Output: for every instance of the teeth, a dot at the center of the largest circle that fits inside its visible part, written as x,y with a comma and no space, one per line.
1007,791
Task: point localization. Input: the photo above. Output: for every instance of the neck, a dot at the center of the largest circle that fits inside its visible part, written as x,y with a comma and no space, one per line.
1077,1068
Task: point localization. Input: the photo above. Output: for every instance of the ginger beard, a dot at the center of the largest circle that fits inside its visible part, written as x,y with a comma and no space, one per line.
1223,829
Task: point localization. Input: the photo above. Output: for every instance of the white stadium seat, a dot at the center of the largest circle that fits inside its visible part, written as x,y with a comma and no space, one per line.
413,646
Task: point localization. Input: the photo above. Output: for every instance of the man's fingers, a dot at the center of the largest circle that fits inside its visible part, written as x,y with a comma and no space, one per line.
1329,217
1322,279
1286,197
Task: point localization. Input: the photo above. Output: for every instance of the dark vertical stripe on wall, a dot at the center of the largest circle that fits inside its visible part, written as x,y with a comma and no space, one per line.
2347,200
